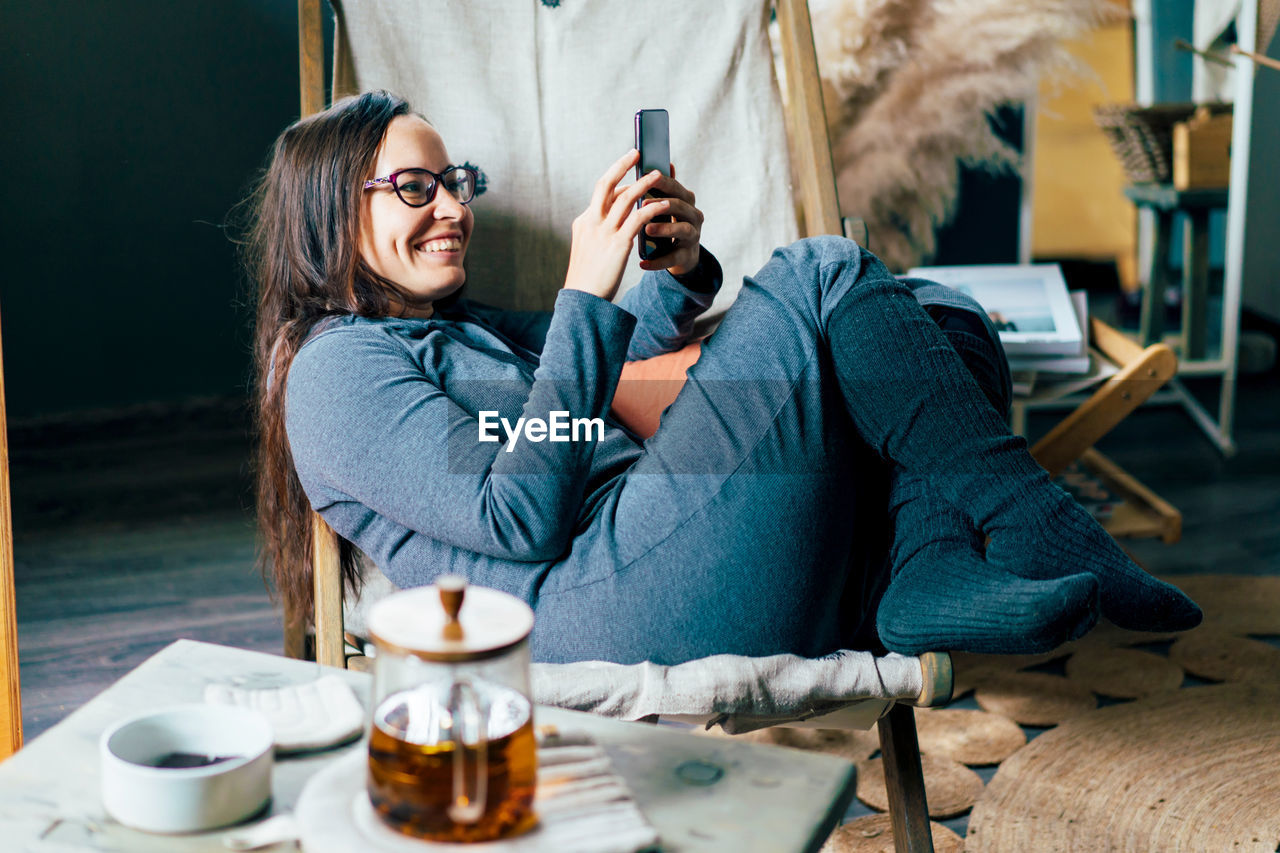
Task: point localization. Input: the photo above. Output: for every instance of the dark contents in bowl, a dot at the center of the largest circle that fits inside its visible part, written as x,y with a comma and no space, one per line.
176,760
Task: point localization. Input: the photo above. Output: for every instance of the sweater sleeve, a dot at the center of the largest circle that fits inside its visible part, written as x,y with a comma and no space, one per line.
366,424
665,307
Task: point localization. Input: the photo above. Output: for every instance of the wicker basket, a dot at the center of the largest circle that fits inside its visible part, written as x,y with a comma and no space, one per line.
1142,137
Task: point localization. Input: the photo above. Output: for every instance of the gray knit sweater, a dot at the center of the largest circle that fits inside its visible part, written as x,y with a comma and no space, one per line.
384,420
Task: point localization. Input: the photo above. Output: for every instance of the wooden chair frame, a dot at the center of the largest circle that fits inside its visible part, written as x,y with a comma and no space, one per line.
820,214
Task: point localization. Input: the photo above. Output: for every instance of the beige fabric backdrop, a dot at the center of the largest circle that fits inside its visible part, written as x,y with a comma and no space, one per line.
542,99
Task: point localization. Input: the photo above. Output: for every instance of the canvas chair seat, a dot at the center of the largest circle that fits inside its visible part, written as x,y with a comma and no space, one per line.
847,690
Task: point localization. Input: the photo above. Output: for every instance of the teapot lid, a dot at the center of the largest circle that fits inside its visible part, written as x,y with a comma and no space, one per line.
450,621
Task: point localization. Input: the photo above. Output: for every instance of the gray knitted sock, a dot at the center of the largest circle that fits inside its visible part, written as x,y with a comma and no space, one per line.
944,595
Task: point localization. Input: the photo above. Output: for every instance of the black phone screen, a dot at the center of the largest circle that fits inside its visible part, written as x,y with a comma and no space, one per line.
653,139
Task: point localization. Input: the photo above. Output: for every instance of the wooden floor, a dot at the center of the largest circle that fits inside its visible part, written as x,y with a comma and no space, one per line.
129,533
134,531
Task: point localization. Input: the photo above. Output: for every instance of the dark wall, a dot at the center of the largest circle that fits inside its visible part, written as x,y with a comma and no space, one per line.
129,130
984,226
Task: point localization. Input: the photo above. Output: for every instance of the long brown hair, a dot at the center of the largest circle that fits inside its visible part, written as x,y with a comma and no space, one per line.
302,252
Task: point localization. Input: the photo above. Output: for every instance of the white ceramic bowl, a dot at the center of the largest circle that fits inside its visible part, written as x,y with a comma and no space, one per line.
144,796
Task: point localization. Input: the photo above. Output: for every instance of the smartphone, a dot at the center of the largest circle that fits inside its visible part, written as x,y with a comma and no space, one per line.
653,140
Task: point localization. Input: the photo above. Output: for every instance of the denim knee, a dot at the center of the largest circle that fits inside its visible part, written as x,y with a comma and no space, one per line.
822,270
829,255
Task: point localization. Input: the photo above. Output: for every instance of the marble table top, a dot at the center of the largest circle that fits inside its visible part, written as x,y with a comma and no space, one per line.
701,793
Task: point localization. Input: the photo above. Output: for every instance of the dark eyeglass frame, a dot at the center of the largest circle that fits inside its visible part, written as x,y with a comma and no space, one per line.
437,178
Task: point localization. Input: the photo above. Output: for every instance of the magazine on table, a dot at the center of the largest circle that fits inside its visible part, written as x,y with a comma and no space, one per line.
1028,303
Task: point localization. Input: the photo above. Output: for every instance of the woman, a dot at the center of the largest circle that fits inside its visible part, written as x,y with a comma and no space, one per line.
753,522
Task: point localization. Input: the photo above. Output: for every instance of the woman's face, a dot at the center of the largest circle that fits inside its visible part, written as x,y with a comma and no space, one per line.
419,248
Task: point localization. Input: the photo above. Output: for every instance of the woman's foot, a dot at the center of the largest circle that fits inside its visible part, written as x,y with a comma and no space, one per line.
1051,536
957,603
945,595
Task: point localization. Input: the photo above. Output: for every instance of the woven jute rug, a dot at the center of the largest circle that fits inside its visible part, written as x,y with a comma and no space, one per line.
853,744
971,670
874,834
950,787
1211,654
971,737
1123,673
1236,604
1193,770
1034,698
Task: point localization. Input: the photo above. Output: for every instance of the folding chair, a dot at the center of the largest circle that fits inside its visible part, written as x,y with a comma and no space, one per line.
777,214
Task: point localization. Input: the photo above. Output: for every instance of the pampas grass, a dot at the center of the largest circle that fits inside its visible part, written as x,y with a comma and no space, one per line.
909,88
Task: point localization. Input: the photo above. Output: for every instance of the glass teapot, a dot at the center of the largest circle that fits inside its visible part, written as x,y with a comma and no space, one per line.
451,745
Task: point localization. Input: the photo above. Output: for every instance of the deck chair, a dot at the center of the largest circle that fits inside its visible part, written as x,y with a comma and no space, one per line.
10,693
771,212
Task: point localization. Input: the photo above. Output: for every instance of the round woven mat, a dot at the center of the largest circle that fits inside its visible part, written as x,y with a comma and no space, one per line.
967,736
949,786
1034,698
1236,604
1193,770
874,834
1222,657
1123,673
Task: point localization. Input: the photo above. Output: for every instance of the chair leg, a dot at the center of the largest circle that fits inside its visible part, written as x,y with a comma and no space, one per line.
295,636
908,808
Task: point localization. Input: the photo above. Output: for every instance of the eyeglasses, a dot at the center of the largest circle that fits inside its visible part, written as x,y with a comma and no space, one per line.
417,187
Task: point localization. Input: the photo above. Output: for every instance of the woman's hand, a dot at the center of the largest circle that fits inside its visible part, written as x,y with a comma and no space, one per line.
686,230
604,233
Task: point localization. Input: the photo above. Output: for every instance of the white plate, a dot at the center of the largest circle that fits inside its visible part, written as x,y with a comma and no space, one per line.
334,816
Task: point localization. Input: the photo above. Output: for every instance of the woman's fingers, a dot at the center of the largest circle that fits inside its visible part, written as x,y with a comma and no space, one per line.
640,217
684,211
684,256
679,231
604,234
602,195
605,195
626,198
669,186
